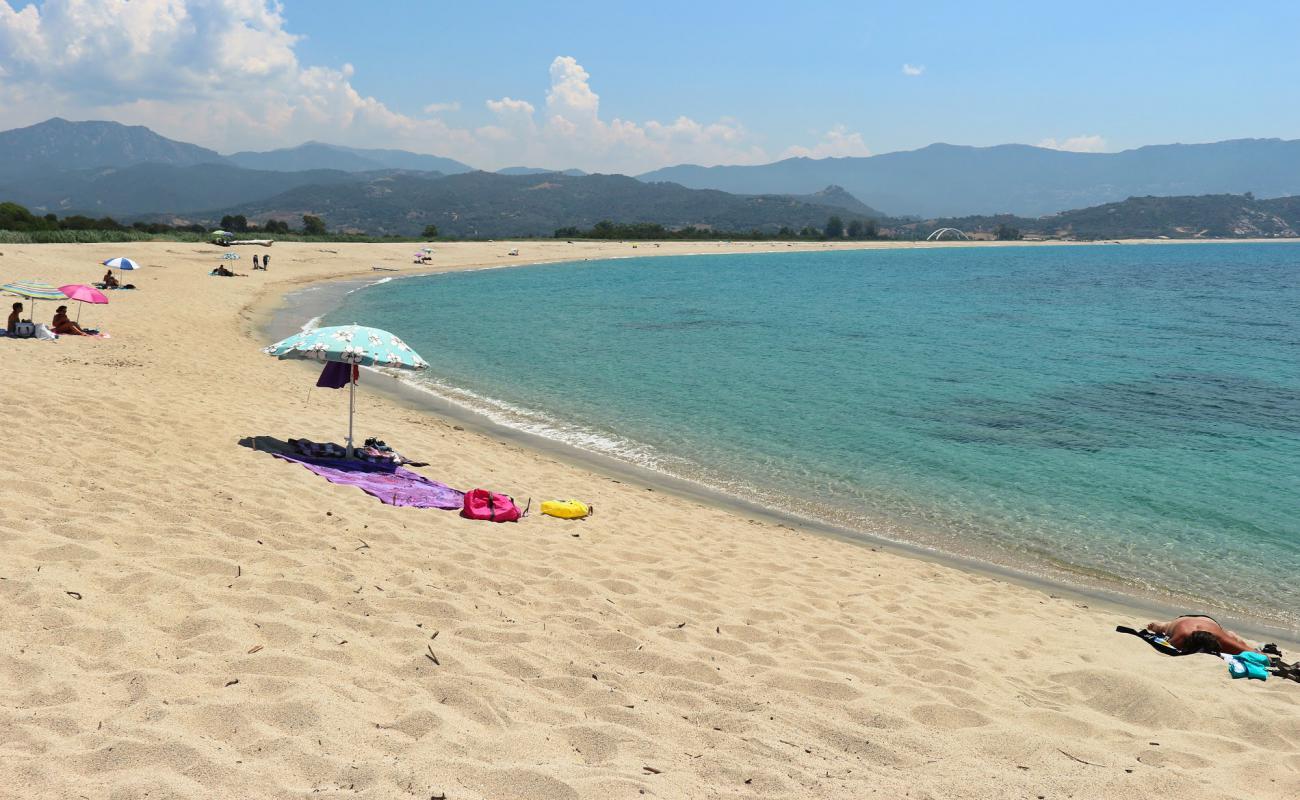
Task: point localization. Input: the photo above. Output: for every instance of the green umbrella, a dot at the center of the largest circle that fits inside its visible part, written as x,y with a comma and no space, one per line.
349,344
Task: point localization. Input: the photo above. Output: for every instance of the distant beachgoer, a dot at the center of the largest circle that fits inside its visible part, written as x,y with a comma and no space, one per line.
12,326
62,325
225,273
266,261
109,281
256,264
1198,633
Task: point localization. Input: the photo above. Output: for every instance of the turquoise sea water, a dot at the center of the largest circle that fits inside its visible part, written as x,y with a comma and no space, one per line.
1120,414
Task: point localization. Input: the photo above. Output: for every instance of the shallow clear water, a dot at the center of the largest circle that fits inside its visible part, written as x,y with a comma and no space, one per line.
1121,413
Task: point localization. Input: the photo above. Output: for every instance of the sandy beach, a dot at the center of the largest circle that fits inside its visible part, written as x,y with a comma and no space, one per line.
183,616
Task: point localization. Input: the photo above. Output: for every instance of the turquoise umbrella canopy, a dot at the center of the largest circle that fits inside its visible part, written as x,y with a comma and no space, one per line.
350,344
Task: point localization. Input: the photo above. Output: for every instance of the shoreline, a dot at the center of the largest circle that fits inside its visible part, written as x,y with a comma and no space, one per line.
282,315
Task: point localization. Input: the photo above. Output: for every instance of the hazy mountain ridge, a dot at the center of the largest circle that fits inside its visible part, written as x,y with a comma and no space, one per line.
319,155
58,144
955,180
490,204
157,188
574,173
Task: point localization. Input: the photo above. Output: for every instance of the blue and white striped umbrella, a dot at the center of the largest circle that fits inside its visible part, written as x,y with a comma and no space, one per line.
121,263
349,344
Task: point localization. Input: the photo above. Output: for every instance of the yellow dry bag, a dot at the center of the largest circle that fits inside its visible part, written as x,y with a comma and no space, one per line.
566,509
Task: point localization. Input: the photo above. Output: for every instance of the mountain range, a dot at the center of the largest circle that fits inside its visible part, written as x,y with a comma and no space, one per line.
104,168
58,144
945,180
485,204
318,155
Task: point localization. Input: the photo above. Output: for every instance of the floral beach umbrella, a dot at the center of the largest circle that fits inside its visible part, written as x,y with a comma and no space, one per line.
349,344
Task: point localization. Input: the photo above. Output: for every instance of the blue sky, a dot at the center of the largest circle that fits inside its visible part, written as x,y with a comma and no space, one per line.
630,86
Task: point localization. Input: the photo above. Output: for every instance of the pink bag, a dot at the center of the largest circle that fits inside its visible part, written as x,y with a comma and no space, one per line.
482,504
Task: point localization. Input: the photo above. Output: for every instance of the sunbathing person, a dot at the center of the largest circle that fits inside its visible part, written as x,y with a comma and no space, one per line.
1194,633
225,273
109,281
12,325
62,325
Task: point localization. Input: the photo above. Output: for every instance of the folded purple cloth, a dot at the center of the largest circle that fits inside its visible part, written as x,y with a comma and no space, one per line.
335,375
393,486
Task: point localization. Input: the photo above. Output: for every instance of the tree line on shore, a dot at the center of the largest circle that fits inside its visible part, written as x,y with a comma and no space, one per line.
835,229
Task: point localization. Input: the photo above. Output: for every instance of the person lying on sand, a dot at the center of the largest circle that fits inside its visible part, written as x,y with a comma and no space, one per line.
1198,633
225,273
62,325
12,325
109,281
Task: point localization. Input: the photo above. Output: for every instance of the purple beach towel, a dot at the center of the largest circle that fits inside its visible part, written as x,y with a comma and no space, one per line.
395,487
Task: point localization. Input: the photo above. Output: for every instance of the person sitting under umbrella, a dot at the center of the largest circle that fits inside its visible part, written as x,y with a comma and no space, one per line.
109,281
12,326
62,325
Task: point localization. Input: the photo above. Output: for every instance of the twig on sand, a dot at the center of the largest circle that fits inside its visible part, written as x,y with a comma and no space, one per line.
652,770
232,681
254,649
74,595
1076,758
429,655
364,545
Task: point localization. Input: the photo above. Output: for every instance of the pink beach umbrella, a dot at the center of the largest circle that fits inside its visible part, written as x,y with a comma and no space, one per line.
83,294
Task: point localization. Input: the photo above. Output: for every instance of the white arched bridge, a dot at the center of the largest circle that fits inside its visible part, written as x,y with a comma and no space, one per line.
952,233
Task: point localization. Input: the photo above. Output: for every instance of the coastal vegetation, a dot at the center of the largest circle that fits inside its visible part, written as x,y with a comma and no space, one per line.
646,231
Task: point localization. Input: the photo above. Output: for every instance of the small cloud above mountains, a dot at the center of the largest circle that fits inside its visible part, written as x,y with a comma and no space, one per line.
1076,144
838,142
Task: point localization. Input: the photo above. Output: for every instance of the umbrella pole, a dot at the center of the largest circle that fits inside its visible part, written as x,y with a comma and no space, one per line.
352,399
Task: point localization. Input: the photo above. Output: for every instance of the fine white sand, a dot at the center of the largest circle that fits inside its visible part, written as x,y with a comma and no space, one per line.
184,617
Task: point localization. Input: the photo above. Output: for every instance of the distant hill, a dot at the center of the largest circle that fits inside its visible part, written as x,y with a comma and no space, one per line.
839,198
538,171
318,155
489,205
949,180
155,188
60,144
1193,217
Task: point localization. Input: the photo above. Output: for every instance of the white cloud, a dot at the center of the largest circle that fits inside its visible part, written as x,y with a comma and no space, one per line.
508,106
913,70
837,142
1076,144
226,74
570,131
